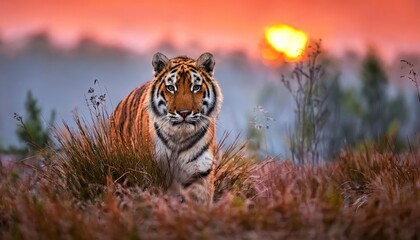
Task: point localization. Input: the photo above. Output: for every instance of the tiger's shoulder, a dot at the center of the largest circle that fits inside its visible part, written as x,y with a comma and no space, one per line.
130,110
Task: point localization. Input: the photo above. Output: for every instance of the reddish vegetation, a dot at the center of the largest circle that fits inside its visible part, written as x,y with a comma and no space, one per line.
366,195
97,187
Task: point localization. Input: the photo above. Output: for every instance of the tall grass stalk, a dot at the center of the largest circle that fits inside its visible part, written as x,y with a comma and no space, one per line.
233,168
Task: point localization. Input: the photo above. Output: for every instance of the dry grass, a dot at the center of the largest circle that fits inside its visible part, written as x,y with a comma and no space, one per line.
94,155
360,196
95,188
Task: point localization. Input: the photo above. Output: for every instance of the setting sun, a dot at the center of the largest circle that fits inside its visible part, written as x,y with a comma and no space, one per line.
286,40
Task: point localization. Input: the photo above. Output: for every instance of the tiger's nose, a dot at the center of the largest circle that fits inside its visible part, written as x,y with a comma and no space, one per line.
184,113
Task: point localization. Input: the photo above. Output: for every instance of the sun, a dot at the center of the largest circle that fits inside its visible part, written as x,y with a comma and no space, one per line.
287,40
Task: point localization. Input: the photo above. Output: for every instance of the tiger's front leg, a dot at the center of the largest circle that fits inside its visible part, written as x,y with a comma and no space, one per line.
197,187
202,190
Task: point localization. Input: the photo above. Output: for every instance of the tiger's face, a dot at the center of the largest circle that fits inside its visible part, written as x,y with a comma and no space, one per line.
186,93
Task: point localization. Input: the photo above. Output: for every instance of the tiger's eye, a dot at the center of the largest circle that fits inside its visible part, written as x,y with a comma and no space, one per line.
196,88
170,88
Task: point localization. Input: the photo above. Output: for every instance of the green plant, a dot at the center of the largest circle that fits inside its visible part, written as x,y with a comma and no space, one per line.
374,82
31,130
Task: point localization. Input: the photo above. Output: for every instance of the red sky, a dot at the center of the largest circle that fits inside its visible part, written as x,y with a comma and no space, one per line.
388,25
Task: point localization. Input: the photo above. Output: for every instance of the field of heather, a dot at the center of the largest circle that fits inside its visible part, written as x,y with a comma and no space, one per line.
368,194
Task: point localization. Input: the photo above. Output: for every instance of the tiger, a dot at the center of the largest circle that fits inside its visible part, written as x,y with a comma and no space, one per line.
175,115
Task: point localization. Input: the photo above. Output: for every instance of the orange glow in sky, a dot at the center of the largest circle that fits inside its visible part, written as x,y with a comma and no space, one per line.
287,40
389,25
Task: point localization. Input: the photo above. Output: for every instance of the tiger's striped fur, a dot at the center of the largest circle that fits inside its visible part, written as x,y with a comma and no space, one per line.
175,114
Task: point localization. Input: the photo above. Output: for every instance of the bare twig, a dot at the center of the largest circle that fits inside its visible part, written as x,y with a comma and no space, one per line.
412,76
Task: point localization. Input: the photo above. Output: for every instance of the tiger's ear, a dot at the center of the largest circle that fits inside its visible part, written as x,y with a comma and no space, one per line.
206,62
159,62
